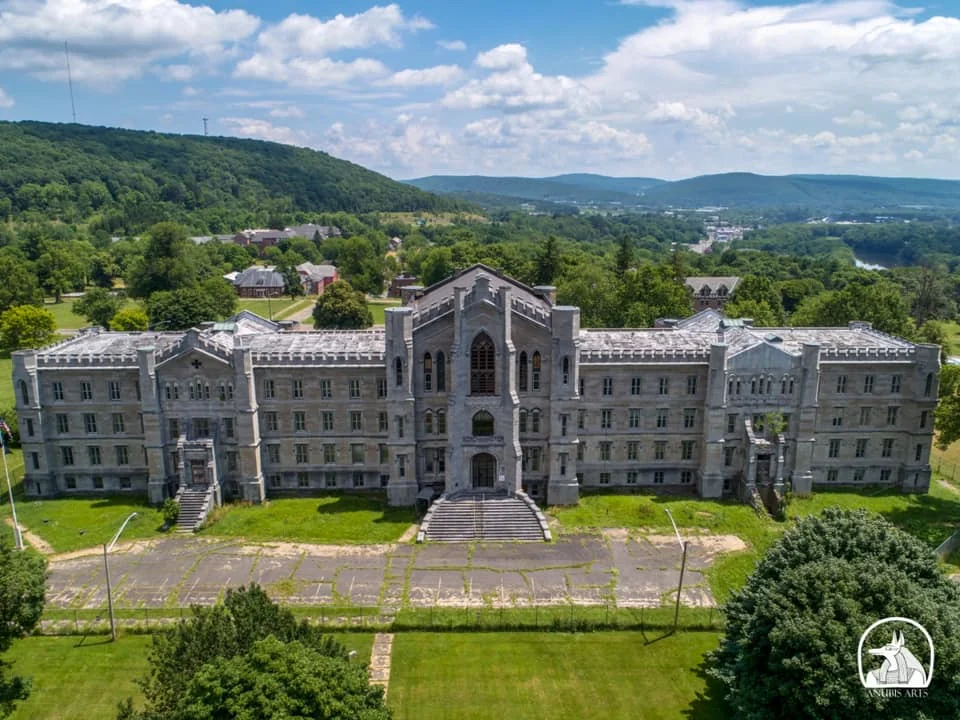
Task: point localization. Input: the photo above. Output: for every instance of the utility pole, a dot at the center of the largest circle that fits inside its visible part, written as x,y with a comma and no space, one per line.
17,532
106,568
205,126
73,107
683,566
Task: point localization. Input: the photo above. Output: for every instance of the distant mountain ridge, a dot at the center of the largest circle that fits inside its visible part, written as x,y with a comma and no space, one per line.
827,193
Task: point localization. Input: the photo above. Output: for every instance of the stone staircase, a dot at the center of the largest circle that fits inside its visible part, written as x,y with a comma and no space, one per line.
483,516
195,502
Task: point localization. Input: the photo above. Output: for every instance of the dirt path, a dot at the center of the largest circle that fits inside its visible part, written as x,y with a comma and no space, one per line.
380,661
948,486
302,315
38,543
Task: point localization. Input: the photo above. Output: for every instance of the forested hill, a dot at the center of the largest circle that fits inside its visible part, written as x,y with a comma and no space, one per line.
814,193
126,180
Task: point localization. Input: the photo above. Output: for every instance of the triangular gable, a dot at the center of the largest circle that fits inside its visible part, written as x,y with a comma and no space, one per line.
193,342
467,278
761,355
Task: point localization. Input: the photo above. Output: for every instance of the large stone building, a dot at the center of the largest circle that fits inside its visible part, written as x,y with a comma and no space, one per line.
476,382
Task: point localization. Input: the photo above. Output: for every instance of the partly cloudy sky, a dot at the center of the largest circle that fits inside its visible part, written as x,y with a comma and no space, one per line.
664,88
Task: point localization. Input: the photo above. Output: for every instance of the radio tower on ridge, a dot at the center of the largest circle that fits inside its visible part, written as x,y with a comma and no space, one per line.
73,107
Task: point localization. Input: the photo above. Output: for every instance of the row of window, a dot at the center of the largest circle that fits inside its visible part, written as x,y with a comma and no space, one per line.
96,482
895,385
354,388
760,385
91,423
867,416
859,475
328,479
862,445
635,477
114,391
358,454
688,449
271,421
94,456
636,385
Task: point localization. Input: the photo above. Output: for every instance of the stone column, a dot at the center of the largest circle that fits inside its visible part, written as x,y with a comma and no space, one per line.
802,477
564,400
710,475
42,480
153,429
508,421
458,389
247,413
400,404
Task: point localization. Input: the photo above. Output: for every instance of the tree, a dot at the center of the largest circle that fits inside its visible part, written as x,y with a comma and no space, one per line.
792,632
165,264
341,307
935,333
292,284
180,309
624,259
22,578
130,319
98,306
880,303
548,261
761,290
27,326
18,286
58,270
217,634
758,310
221,295
947,413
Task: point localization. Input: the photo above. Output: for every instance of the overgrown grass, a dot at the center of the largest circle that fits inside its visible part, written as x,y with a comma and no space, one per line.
561,676
264,307
77,678
327,519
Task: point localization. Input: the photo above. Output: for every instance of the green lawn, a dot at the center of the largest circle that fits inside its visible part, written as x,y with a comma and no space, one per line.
327,519
378,305
6,380
84,679
264,306
63,312
514,676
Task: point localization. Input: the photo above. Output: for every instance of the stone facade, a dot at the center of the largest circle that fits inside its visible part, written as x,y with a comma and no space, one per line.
711,292
476,382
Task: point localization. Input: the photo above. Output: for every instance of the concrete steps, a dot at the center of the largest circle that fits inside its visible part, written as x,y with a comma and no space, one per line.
194,503
469,517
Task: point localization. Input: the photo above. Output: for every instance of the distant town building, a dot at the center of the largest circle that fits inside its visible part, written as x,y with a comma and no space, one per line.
711,292
204,239
400,282
258,281
263,238
315,278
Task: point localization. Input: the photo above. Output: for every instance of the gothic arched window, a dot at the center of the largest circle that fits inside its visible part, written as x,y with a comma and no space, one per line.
483,424
522,372
398,371
536,370
565,367
482,366
427,372
441,372
25,396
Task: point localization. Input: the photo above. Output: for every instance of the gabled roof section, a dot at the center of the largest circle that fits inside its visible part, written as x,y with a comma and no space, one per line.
713,284
467,278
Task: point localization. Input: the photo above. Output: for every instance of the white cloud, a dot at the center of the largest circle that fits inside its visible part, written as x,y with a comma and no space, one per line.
264,130
5,100
503,57
857,118
311,72
112,40
287,111
437,75
189,91
175,73
677,112
452,45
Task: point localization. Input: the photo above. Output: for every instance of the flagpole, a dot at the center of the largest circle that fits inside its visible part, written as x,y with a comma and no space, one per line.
17,535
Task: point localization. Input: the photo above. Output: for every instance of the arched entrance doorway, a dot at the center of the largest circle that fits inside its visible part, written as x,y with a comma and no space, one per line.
484,468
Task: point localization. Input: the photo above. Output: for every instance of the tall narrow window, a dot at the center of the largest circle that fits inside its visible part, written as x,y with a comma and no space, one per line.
565,368
483,424
536,371
482,366
427,372
24,395
522,372
441,372
428,423
927,388
398,371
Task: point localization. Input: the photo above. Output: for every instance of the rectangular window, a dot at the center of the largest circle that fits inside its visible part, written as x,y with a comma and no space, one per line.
664,386
605,451
728,454
272,424
686,476
354,388
299,421
691,384
273,480
834,449
604,478
273,454
327,418
358,452
63,424
868,383
579,478
383,451
222,392
330,479
731,423
658,477
356,420
858,475
329,453
174,425
689,418
632,477
659,450
86,391
303,479
633,450
924,415
832,476
686,450
98,482
269,391
581,450
606,419
861,450
398,422
402,465
886,450
57,391
302,454
581,419
841,383
93,455
358,478
125,483
892,413
114,390
635,417
89,423
918,452
608,386
118,425
441,422
865,413
635,386
228,427
326,391
35,460
837,420
564,419
384,479
895,383
885,475
297,389
175,461
201,427
381,422
123,457
381,387
70,481
662,418
563,464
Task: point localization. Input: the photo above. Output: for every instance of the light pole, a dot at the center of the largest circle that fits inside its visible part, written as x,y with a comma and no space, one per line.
683,566
106,569
17,533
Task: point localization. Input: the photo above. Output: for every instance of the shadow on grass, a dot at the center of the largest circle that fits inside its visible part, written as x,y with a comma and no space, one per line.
339,503
709,704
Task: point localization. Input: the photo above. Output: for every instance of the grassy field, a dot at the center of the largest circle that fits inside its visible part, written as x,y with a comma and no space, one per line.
559,676
378,305
6,380
84,679
327,519
264,307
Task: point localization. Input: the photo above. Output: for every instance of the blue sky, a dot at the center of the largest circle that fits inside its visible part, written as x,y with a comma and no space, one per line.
666,88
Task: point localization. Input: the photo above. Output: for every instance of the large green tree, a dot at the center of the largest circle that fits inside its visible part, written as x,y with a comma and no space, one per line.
341,307
22,578
792,633
130,318
181,309
761,290
165,264
947,412
881,303
18,285
98,306
27,326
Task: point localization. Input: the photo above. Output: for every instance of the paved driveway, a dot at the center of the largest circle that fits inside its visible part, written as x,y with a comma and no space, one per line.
630,570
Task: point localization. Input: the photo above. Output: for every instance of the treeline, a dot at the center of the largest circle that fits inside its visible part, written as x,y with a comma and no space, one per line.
121,182
894,243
